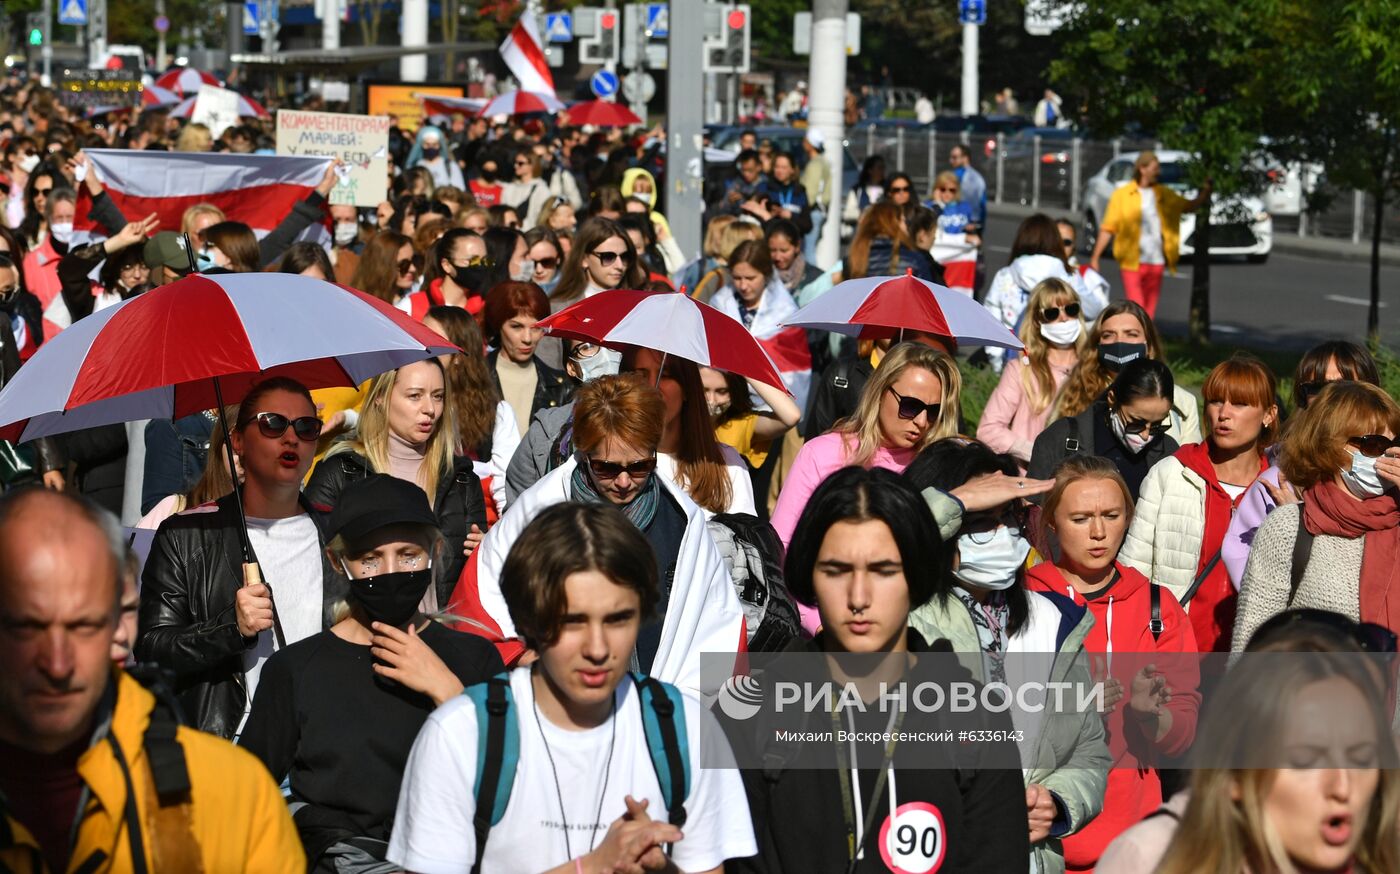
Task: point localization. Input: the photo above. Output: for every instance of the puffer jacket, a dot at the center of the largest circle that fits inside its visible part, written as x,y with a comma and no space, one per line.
458,505
880,262
1069,756
187,622
553,387
233,819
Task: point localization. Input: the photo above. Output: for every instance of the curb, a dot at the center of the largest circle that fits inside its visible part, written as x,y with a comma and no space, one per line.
1323,248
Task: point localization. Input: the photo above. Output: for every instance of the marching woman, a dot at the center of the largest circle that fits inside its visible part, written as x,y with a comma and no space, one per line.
1188,499
1141,642
757,297
512,312
864,554
1053,334
984,607
601,258
408,429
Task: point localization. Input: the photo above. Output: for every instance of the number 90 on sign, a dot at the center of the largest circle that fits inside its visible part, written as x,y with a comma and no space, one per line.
913,840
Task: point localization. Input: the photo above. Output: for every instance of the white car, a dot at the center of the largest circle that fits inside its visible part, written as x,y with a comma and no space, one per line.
1239,225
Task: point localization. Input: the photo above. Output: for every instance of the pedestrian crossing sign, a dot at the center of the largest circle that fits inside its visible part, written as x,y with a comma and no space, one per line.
559,27
250,18
72,12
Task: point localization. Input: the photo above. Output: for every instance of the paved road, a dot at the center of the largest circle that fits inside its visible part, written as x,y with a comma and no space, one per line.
1288,302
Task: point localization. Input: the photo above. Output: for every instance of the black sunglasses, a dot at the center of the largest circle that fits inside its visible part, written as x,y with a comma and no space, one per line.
903,189
1068,243
607,258
1367,635
1373,445
1050,314
274,425
910,408
607,471
406,265
1309,390
1155,429
547,263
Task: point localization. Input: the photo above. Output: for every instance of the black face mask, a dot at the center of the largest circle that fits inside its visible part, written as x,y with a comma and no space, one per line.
470,277
488,176
1113,357
430,154
391,598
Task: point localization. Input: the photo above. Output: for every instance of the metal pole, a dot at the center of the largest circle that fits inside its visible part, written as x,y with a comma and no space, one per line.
46,52
969,70
97,31
330,24
1001,169
899,149
639,65
685,109
932,158
1303,202
1035,171
1074,174
826,113
413,26
233,29
1358,214
1117,146
869,138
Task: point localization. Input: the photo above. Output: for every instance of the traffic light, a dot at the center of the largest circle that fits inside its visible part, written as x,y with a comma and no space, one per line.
35,22
728,50
600,31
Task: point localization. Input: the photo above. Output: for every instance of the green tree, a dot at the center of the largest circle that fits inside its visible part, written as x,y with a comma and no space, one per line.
1338,101
1186,71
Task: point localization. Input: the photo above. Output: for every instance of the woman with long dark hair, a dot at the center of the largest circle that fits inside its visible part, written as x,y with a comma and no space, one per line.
882,247
388,267
601,258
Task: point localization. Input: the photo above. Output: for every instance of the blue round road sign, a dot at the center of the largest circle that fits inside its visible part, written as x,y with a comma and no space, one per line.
603,83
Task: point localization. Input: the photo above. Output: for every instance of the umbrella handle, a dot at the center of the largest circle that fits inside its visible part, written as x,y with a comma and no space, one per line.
252,574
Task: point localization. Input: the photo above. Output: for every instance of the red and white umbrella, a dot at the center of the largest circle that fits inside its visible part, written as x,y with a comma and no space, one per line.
521,102
154,95
669,322
602,113
185,81
434,104
247,108
157,355
883,307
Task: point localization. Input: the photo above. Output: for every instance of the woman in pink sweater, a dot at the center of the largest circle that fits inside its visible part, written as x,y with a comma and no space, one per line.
1054,334
911,400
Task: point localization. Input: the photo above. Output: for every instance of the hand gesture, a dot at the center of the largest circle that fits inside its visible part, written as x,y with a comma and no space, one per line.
1112,694
252,606
411,662
329,179
474,538
986,492
1040,811
632,844
1150,694
132,234
1283,493
1388,466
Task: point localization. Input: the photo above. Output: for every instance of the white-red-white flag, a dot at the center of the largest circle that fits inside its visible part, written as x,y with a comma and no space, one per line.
258,190
523,51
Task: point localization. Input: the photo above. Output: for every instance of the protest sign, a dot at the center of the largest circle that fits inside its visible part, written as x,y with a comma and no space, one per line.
217,108
362,141
86,90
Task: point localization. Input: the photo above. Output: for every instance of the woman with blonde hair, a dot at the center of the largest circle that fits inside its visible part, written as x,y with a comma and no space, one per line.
732,235
194,137
1339,549
474,218
408,429
1054,338
557,214
529,191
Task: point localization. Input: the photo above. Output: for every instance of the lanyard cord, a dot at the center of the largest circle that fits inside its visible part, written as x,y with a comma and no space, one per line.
607,772
850,793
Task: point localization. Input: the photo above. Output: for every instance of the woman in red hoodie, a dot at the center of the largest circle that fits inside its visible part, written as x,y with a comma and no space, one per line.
1188,499
1142,645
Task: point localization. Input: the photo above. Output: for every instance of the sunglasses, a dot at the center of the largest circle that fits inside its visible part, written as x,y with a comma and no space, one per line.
407,266
1309,390
522,163
547,263
607,258
607,471
1155,429
1369,636
1068,243
1373,445
1050,314
946,189
274,425
42,192
903,189
910,408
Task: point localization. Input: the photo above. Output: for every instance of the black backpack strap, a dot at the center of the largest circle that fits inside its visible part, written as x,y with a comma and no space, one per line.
1073,445
1200,578
166,757
1302,552
1155,623
497,709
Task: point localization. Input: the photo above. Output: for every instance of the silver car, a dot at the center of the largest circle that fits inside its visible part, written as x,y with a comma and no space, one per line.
1239,225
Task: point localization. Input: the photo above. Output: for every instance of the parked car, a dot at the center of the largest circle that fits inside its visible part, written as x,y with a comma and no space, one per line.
1240,225
725,139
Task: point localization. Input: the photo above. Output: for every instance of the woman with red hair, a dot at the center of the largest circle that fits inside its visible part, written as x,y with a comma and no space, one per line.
523,380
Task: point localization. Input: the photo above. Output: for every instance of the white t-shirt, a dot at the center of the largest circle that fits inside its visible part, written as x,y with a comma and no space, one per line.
740,482
433,824
1233,490
289,554
1150,237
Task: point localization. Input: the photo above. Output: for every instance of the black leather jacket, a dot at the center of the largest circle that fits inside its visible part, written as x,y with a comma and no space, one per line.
47,451
553,388
187,621
459,504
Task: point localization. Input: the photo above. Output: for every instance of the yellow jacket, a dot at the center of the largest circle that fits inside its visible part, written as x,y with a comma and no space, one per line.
234,821
1123,219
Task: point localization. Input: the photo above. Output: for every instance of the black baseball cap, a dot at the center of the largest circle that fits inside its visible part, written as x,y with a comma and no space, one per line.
379,501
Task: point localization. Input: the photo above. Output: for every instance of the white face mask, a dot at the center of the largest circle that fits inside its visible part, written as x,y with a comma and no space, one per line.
1062,333
647,196
62,231
994,563
346,232
28,163
1135,442
604,362
1362,480
526,272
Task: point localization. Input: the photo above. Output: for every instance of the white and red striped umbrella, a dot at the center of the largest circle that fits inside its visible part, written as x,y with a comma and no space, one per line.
155,95
185,81
669,322
883,307
436,104
247,108
602,113
157,355
521,102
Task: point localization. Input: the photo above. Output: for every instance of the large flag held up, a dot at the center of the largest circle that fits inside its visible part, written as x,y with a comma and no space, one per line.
523,51
258,190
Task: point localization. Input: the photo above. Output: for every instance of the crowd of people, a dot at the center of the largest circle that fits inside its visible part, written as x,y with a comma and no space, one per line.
489,576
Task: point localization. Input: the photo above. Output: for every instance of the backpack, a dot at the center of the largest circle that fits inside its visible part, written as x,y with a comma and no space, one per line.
754,555
498,749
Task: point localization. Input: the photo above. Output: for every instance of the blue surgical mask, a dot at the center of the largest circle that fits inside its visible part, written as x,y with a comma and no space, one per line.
995,562
203,263
604,362
1362,480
